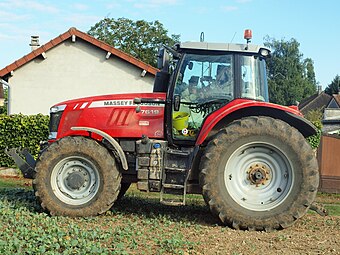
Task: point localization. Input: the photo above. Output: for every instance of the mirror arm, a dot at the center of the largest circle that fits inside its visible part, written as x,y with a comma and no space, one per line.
177,102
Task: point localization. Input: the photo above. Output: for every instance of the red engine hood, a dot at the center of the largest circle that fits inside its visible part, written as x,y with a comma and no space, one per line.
115,115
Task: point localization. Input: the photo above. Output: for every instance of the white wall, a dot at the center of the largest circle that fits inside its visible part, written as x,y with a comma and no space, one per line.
72,70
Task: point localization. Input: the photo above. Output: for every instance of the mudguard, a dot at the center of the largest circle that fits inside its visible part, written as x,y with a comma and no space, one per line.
240,108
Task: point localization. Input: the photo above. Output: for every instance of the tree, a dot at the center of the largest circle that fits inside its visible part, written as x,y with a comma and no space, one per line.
139,38
290,77
334,87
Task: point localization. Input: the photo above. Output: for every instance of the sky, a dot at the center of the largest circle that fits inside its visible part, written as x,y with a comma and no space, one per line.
313,23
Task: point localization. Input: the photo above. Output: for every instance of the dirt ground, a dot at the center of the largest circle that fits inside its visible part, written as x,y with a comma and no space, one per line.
312,234
193,230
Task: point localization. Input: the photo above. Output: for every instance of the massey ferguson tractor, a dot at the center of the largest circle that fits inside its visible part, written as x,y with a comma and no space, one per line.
208,128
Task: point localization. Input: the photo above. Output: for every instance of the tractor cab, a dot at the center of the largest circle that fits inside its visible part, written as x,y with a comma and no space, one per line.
203,77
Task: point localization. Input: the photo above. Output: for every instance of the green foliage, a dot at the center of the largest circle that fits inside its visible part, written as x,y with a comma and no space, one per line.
290,77
139,38
334,87
139,224
21,131
314,140
127,230
315,116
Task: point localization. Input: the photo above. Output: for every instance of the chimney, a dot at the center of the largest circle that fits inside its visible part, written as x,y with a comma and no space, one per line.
319,89
34,42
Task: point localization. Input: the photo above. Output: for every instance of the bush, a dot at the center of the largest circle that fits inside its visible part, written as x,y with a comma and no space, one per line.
314,140
315,116
21,131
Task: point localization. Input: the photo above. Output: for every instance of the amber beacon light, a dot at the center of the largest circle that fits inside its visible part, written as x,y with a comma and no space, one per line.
248,34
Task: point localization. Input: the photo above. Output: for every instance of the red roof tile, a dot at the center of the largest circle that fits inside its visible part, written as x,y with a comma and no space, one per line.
61,38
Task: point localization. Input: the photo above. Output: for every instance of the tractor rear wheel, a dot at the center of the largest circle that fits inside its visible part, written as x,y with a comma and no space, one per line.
76,176
259,173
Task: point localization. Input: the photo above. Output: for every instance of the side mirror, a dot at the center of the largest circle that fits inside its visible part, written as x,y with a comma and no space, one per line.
161,82
177,102
190,65
163,59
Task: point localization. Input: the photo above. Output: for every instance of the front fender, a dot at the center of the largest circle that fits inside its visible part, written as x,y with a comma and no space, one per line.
241,108
112,141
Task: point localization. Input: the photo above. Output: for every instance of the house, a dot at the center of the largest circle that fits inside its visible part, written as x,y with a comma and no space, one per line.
331,116
72,65
317,101
328,105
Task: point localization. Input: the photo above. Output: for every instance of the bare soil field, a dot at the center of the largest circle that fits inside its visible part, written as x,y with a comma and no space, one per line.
138,224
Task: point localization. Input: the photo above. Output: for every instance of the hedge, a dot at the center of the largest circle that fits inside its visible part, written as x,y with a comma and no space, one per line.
21,131
315,139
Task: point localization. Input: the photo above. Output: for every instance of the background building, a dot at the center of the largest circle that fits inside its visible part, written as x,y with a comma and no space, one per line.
70,66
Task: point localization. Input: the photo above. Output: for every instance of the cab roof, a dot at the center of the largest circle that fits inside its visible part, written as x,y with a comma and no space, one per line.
250,48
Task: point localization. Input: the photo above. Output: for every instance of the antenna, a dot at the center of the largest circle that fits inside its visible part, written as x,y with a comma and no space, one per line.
232,39
202,37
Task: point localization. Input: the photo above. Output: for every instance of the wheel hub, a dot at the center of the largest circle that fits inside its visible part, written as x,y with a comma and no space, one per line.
259,174
75,180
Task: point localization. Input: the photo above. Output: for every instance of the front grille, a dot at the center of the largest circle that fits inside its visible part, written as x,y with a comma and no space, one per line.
54,121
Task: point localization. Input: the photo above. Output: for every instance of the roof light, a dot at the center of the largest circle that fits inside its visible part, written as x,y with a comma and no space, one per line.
248,34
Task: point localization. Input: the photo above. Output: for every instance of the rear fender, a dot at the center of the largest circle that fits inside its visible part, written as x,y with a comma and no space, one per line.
112,141
224,116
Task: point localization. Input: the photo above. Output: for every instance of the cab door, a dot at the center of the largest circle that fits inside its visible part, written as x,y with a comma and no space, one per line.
203,84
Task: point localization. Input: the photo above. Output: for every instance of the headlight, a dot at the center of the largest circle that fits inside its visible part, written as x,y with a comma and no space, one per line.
57,108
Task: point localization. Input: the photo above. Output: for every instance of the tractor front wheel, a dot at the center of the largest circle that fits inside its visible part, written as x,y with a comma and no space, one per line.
259,173
76,176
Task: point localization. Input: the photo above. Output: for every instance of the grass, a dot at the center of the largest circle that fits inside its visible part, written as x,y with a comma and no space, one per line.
138,224
15,182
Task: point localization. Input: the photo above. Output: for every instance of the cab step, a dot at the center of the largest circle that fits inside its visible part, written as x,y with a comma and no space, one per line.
172,202
177,166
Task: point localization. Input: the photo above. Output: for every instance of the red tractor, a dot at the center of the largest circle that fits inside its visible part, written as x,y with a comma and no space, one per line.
207,128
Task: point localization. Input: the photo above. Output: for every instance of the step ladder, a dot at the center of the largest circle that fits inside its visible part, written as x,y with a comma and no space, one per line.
175,176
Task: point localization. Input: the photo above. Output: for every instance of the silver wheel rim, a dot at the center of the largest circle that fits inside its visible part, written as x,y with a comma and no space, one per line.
258,176
75,180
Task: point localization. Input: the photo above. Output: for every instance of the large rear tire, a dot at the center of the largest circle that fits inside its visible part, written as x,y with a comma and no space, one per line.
76,176
259,173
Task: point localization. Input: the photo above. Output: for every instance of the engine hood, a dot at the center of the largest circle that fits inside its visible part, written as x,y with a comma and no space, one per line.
116,115
123,99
